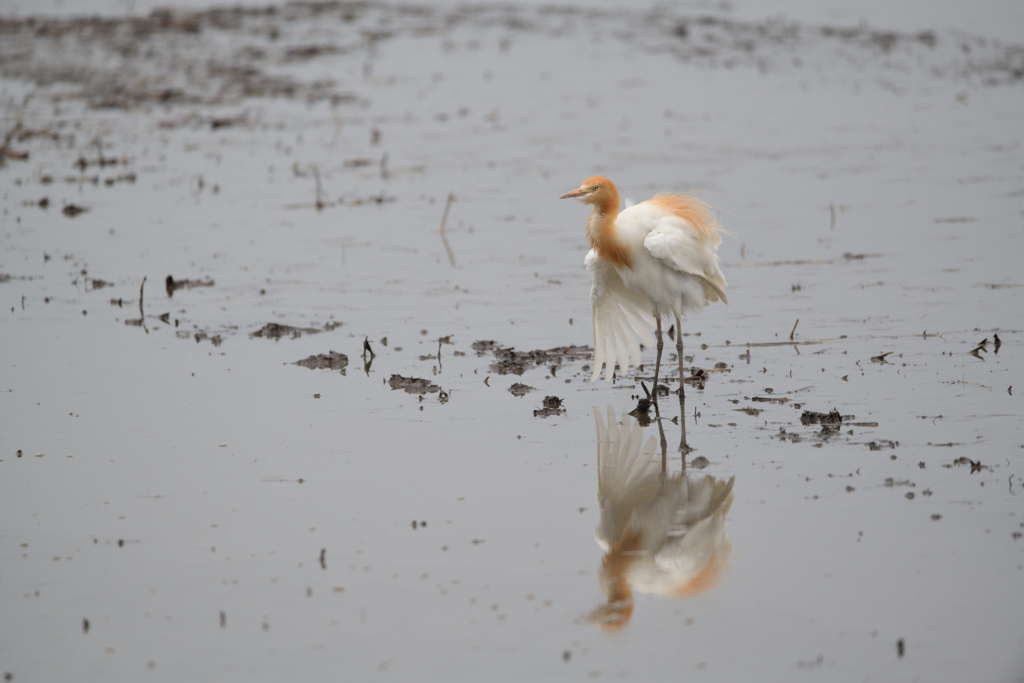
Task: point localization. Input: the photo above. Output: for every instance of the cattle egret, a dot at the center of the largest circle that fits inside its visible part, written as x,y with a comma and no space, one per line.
658,257
661,534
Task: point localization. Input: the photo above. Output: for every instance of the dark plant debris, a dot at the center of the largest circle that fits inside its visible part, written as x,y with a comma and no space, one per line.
96,283
552,406
216,339
983,347
643,405
171,285
976,465
697,378
810,417
520,389
770,399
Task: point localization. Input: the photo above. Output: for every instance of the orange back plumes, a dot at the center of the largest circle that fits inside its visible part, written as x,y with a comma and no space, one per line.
692,210
704,580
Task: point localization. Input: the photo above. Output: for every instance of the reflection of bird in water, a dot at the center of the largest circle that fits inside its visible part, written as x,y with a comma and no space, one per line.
658,257
661,534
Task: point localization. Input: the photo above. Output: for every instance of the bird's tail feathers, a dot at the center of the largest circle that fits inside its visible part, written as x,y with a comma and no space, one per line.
713,291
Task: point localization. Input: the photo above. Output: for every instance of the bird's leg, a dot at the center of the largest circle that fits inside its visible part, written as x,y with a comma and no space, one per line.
664,443
657,362
684,448
679,352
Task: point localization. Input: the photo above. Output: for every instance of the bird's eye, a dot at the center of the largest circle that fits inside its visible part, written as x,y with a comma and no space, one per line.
595,188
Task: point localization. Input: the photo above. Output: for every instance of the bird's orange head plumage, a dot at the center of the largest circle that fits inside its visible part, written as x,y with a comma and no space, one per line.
615,569
598,191
602,194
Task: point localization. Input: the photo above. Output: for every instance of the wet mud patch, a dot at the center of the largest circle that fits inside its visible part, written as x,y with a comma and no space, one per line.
131,62
18,133
782,46
484,347
278,331
508,361
101,60
332,360
413,385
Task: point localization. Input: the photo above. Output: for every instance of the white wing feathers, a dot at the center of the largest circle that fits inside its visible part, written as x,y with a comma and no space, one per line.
680,247
625,463
622,319
628,473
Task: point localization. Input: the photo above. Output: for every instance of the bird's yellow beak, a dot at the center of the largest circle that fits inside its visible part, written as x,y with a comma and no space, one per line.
575,193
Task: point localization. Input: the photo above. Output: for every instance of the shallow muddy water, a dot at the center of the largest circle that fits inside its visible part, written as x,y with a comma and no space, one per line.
204,210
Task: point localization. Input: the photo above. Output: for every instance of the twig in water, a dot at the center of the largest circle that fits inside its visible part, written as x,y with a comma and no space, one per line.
142,314
646,390
384,166
832,208
793,331
443,340
444,237
316,176
367,360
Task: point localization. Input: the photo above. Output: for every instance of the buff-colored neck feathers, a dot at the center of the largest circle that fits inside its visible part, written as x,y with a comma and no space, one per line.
601,226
